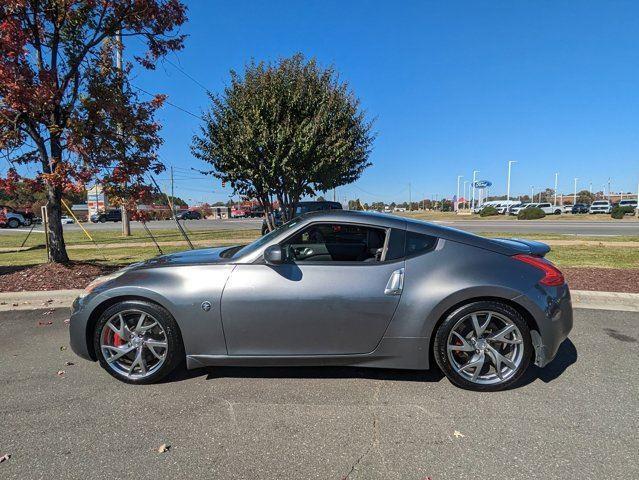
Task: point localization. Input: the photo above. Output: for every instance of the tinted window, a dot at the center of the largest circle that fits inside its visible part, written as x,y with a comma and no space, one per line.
333,242
419,243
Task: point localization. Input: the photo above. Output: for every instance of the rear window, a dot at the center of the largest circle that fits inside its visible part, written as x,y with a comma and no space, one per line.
419,243
600,203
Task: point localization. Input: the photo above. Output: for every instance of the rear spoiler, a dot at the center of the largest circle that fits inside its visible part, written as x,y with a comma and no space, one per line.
530,247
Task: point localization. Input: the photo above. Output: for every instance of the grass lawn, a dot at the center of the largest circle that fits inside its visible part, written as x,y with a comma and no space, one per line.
8,240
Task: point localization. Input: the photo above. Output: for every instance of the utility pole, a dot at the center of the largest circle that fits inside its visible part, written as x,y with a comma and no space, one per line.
608,188
126,226
410,204
590,189
574,197
172,191
459,177
556,181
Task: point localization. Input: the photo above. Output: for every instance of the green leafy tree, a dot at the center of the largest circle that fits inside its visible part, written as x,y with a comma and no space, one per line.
284,130
584,196
66,108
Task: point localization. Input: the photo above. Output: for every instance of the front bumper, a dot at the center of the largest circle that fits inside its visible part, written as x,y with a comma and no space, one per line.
78,338
551,308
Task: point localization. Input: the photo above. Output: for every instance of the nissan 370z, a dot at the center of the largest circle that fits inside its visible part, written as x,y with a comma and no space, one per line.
333,288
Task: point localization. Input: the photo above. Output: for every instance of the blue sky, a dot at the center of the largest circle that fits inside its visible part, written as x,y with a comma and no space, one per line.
453,86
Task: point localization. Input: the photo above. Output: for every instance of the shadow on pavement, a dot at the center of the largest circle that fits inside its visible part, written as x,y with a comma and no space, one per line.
566,356
212,373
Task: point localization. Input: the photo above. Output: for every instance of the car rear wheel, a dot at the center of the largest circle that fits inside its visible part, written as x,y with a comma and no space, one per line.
13,223
28,222
483,346
138,342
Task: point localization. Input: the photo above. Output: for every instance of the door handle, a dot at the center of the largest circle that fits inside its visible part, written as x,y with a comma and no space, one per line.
395,283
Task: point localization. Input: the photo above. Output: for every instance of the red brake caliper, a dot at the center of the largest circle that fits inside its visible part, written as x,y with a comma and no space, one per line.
117,340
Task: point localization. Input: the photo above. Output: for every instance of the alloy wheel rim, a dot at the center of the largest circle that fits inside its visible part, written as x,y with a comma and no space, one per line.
134,344
485,348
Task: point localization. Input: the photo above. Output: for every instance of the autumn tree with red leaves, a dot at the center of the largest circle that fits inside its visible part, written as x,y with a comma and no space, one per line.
66,108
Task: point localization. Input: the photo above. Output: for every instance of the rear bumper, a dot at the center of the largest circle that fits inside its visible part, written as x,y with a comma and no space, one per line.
551,308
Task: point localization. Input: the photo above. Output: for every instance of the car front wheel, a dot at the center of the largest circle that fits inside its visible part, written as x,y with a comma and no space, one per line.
483,346
13,223
138,342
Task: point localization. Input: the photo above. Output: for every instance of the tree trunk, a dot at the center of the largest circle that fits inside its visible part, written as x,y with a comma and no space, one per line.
57,247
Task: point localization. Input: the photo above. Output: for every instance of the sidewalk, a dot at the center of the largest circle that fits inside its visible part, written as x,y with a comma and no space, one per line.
623,302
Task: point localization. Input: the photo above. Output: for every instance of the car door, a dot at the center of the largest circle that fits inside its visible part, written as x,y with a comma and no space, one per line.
313,305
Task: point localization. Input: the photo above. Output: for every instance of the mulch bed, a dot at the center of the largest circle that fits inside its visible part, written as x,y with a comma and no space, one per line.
624,280
50,276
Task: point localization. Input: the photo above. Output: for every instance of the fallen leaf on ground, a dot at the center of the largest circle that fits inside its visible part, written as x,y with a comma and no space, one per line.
5,457
44,324
61,373
63,348
68,364
67,321
458,434
48,312
164,448
16,304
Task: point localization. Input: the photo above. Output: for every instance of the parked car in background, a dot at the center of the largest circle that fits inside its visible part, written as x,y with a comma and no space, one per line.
628,205
600,206
13,220
300,208
505,206
566,208
189,215
580,208
548,208
515,209
65,219
25,218
239,212
108,216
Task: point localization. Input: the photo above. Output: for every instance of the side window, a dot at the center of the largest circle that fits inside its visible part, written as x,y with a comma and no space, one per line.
417,243
335,242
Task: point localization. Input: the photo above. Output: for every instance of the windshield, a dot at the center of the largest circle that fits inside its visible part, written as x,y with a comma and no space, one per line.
601,203
251,247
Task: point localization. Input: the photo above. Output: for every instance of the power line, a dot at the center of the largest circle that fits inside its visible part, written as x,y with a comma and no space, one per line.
170,103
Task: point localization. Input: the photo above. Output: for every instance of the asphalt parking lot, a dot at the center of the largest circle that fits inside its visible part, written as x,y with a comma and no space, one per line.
577,418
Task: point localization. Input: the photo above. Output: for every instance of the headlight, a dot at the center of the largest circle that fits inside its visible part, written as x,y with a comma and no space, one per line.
99,281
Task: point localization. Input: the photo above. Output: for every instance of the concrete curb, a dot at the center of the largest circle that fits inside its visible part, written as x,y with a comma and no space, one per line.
34,300
624,302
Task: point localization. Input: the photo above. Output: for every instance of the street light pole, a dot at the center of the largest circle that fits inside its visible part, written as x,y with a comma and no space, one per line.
574,197
510,163
532,194
465,196
459,177
472,202
556,181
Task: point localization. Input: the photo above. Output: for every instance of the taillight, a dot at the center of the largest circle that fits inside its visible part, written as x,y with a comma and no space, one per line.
552,275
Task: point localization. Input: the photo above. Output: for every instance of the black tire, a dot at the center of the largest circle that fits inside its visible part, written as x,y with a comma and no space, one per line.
557,212
13,223
175,356
443,331
264,230
102,220
28,222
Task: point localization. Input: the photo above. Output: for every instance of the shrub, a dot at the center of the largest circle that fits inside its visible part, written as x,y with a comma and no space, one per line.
530,214
619,212
488,211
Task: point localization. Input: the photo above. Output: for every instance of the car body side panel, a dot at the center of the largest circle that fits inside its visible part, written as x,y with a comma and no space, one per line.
181,290
307,308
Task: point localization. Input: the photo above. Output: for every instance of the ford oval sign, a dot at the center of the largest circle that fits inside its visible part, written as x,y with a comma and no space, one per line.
482,184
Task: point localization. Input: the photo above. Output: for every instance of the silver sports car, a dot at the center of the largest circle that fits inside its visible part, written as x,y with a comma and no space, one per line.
333,288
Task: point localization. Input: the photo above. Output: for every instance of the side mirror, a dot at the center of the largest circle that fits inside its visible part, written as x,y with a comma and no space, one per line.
274,255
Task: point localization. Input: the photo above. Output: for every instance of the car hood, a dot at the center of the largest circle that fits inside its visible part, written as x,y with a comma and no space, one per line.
188,257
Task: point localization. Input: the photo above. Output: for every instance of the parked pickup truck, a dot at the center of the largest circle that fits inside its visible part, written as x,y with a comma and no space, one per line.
600,206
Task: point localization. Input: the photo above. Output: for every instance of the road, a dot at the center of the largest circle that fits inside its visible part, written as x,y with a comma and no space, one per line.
577,418
569,227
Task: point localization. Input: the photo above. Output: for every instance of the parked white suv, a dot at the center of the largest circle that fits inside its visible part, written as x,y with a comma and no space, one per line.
628,204
600,206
